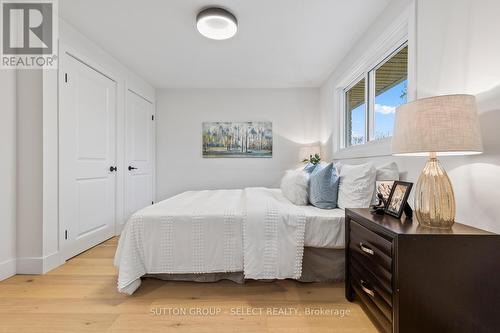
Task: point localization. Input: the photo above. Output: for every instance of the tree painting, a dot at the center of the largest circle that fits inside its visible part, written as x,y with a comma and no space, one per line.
237,139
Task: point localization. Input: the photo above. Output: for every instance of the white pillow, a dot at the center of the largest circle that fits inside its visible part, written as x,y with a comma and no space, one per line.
295,185
385,172
388,172
357,183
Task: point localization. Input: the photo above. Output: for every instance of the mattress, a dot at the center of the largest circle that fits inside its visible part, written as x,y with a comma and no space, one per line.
324,228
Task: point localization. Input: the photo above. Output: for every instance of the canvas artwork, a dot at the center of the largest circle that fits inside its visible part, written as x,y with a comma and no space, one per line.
237,139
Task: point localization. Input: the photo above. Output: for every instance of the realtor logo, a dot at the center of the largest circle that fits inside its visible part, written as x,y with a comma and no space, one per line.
29,38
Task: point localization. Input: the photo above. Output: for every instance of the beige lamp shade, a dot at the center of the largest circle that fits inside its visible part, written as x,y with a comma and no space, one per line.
445,125
308,150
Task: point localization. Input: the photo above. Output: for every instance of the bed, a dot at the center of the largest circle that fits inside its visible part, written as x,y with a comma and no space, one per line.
253,233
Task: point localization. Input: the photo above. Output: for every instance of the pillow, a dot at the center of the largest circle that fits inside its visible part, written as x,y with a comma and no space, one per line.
357,183
309,168
338,166
386,172
324,186
294,186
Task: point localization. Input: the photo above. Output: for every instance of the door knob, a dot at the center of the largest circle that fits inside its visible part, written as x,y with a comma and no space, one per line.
130,168
113,168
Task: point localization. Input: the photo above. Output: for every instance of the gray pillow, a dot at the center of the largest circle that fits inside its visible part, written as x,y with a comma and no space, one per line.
324,186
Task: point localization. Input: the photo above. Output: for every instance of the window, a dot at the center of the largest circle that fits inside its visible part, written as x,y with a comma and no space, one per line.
356,114
370,103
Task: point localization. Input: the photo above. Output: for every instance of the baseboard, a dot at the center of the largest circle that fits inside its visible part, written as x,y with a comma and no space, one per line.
119,228
29,265
7,269
38,265
52,261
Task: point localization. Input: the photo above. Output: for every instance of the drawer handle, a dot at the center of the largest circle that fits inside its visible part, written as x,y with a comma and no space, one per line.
367,290
366,249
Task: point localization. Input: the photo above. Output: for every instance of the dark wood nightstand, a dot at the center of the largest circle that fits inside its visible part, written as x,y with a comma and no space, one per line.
415,279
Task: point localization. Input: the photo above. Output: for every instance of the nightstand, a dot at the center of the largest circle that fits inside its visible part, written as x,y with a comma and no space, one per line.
415,279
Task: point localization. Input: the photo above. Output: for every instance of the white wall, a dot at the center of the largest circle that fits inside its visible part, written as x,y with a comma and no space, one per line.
457,52
7,173
29,167
180,113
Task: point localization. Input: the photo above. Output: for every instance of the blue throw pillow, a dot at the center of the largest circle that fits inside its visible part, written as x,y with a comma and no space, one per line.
309,168
324,186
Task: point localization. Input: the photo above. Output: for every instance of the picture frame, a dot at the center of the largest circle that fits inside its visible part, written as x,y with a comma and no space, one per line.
398,198
384,187
237,139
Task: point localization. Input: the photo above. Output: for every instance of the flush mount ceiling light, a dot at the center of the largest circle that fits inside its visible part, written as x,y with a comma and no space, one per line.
216,23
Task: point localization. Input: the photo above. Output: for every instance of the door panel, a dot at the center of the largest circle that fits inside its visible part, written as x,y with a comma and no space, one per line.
93,195
87,143
138,153
92,125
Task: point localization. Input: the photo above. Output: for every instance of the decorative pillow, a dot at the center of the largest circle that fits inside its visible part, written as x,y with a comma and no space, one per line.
324,186
388,172
294,186
385,172
309,168
357,183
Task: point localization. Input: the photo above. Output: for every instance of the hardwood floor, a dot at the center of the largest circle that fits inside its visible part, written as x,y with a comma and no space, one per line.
81,296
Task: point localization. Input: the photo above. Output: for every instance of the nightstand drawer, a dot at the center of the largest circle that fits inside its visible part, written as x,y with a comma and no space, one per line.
375,311
373,252
380,244
382,289
378,274
370,254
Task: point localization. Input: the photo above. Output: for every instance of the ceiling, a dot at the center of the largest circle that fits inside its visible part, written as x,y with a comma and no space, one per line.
279,44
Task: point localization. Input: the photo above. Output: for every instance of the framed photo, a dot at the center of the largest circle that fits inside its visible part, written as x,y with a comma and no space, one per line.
398,198
384,187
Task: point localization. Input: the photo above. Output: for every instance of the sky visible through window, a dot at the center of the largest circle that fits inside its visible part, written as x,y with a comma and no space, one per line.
358,125
385,107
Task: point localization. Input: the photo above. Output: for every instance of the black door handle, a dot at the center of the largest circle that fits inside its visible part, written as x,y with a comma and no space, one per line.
113,168
130,168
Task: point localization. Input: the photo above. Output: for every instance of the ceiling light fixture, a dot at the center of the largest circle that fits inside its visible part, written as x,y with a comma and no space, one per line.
216,23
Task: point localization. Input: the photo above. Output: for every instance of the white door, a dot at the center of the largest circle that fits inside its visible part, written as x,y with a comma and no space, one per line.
87,143
138,153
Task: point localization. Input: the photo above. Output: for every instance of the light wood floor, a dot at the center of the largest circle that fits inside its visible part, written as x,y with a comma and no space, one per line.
81,296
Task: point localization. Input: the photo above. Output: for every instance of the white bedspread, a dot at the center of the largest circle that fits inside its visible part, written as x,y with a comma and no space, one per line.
273,236
255,230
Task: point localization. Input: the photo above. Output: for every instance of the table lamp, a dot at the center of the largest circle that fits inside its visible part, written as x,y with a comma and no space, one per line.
436,126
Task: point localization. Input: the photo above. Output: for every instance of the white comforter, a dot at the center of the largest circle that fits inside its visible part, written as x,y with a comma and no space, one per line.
255,230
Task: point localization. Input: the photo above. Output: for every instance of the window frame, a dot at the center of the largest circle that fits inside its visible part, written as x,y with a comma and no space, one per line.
372,89
360,78
402,33
370,86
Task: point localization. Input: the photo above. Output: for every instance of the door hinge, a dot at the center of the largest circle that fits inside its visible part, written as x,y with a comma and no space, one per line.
65,234
153,117
66,77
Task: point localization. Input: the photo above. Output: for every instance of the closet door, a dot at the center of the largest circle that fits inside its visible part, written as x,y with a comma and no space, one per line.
138,153
87,143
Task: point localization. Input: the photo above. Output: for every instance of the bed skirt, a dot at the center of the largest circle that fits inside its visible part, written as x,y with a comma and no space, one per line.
318,265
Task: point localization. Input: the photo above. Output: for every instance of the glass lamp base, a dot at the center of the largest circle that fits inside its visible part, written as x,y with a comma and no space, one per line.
434,197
